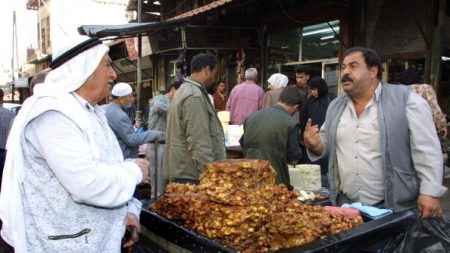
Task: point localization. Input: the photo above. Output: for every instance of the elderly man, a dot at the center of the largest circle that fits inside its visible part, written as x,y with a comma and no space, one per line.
67,187
245,98
194,132
120,123
278,141
380,139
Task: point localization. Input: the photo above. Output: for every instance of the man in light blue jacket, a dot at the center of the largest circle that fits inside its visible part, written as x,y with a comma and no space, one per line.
120,123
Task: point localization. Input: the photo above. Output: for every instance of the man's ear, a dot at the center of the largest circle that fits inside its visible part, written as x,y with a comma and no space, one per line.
374,71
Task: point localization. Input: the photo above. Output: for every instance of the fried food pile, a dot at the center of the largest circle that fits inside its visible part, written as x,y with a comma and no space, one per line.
238,204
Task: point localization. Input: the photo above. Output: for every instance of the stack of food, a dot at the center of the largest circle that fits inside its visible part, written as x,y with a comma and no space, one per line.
238,204
238,182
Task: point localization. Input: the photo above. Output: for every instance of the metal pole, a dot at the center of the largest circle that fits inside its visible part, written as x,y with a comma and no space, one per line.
155,174
15,56
138,70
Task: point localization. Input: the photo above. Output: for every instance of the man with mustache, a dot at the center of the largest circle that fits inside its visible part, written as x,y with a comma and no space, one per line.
194,133
66,185
380,140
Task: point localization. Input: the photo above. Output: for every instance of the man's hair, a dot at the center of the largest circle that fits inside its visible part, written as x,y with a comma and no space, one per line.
203,60
371,58
410,76
291,95
1,94
175,85
251,73
302,69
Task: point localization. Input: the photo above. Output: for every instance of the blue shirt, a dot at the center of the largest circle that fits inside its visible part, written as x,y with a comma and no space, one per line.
157,116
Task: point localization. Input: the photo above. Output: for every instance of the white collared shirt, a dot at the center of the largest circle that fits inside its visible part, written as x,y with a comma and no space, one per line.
358,152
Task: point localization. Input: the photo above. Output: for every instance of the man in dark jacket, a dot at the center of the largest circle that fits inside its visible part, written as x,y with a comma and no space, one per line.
273,134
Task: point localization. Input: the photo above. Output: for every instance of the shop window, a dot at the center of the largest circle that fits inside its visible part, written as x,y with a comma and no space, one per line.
320,41
284,47
395,67
331,76
172,71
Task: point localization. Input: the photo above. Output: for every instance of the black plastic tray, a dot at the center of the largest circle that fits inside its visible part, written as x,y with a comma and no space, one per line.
360,237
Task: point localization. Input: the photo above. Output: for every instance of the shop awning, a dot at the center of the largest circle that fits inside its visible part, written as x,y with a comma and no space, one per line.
127,30
132,29
202,9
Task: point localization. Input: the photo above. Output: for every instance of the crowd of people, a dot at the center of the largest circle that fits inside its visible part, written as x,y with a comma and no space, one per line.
71,167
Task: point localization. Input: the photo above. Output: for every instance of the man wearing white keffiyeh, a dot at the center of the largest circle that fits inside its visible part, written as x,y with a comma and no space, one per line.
66,186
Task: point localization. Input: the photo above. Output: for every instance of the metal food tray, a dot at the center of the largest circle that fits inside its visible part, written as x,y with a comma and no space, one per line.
368,233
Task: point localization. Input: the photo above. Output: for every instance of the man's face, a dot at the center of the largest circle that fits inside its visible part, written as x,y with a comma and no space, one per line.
314,92
98,85
210,76
302,79
355,74
221,87
128,100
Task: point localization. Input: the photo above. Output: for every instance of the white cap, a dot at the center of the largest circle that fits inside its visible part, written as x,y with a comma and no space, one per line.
121,90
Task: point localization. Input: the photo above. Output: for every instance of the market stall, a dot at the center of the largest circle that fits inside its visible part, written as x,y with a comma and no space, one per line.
238,207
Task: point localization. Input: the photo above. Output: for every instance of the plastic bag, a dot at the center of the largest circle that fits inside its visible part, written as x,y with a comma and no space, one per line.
426,236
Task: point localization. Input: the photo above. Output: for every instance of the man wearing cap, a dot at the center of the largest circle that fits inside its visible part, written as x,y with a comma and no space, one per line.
194,132
277,142
120,123
67,187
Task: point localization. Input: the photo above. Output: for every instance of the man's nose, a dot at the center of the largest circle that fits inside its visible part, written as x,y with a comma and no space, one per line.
113,74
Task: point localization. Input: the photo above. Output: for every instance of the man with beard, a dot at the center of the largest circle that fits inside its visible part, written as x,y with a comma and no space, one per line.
120,123
194,132
380,140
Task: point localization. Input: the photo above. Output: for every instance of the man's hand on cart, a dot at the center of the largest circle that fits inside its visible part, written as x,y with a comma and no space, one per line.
133,228
144,165
429,207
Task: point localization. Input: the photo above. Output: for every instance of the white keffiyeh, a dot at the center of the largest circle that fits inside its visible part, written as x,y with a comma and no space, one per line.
65,79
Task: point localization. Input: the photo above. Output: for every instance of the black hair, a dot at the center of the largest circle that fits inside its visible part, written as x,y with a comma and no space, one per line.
371,58
175,85
1,94
410,76
203,60
291,95
302,69
319,84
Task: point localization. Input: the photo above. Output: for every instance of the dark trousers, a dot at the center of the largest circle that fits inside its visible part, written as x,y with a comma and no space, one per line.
2,164
5,247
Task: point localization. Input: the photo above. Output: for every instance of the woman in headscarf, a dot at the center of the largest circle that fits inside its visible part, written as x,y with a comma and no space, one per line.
276,82
315,109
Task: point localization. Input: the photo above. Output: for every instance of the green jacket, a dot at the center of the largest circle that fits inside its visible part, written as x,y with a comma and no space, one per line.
194,133
272,134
